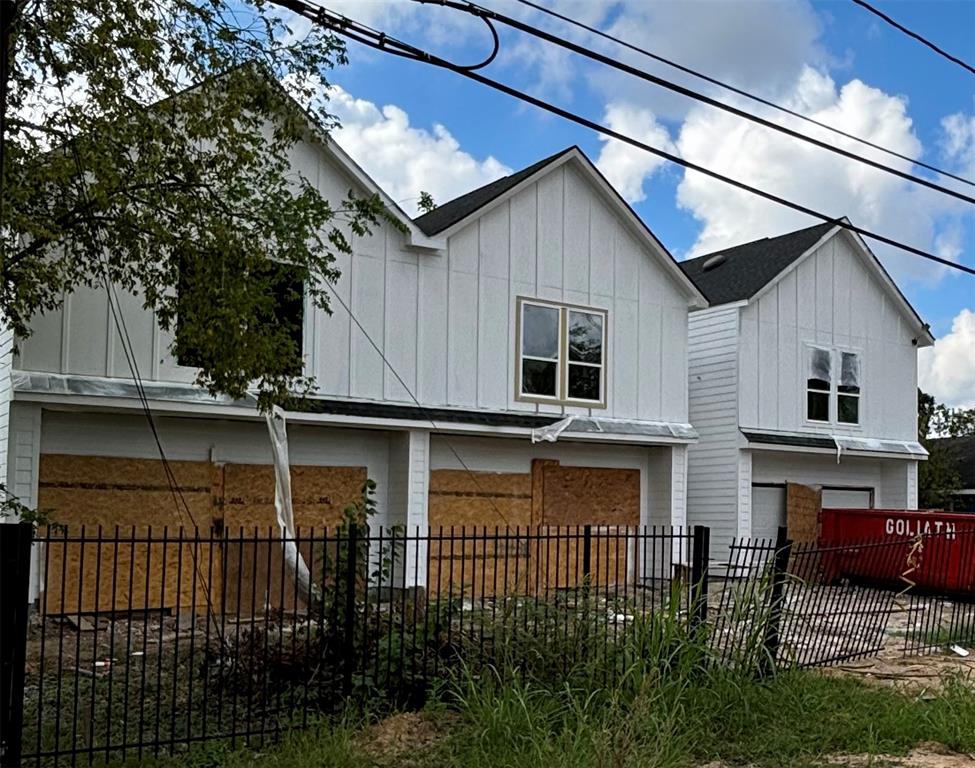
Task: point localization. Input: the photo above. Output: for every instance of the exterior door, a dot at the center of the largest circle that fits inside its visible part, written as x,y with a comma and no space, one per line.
768,510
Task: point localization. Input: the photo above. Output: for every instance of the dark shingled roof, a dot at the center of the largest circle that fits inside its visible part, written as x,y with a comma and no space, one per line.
748,268
962,450
448,214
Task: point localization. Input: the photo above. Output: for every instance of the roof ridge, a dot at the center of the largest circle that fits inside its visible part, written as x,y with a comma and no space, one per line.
761,240
457,208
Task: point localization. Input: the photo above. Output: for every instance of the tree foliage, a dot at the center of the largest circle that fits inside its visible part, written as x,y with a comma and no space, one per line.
146,140
938,477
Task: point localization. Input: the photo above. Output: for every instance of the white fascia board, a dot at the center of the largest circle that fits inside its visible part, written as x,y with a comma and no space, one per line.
197,409
415,236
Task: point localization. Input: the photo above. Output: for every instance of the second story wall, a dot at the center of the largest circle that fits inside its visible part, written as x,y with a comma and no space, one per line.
444,320
831,300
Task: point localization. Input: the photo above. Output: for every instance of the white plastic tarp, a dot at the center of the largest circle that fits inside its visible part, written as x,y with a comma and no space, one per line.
278,428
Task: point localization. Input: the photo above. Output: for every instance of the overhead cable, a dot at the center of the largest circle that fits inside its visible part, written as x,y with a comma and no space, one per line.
382,42
741,92
493,16
921,39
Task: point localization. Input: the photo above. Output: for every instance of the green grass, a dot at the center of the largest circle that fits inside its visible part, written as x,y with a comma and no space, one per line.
667,706
793,720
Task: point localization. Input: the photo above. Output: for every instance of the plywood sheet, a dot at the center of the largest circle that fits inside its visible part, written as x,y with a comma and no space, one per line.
802,509
590,496
462,498
256,574
153,566
477,508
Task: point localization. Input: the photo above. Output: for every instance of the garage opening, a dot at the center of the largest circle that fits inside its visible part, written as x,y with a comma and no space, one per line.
848,498
768,509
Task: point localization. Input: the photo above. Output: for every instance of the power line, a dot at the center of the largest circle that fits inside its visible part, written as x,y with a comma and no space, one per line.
488,15
413,397
382,42
742,92
128,350
923,40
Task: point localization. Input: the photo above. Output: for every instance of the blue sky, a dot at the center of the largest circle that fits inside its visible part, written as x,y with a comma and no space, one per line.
414,127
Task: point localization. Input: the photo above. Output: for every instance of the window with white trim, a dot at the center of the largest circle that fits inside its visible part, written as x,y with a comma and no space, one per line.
832,386
848,389
561,353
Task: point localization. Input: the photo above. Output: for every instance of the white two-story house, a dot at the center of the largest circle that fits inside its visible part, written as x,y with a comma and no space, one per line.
803,374
451,343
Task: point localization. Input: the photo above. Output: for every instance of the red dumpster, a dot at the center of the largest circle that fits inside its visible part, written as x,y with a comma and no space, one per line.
933,549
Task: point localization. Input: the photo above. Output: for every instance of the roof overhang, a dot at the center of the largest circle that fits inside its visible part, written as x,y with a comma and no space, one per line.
575,156
836,445
66,392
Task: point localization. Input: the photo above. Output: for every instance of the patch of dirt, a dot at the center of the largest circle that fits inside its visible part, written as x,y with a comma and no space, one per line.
393,740
924,756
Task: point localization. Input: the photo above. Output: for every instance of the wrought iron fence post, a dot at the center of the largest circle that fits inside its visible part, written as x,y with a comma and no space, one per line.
780,566
15,548
587,555
350,585
699,576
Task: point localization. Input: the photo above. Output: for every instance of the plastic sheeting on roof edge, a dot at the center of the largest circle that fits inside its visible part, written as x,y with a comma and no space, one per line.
607,426
854,444
876,445
59,384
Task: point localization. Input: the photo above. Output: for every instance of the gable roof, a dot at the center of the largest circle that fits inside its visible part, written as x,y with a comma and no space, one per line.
445,219
748,268
448,214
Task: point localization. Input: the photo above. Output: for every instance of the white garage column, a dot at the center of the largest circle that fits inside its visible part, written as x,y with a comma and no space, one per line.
23,461
409,478
898,487
666,487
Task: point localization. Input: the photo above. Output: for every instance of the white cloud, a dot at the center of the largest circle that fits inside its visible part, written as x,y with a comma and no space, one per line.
816,178
757,45
404,159
947,370
625,166
958,143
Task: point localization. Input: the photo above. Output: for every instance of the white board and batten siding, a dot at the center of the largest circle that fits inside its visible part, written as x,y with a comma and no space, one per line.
447,321
444,320
713,473
831,300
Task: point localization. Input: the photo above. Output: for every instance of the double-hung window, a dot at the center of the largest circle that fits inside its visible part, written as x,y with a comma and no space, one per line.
832,386
561,353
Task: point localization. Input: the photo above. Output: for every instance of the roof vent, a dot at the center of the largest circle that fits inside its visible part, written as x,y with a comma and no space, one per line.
714,261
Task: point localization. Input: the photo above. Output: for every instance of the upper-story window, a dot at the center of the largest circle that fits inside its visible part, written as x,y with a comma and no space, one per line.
561,353
833,376
199,297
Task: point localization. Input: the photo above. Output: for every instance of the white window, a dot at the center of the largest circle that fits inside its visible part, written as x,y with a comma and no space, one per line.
848,389
832,386
561,353
818,385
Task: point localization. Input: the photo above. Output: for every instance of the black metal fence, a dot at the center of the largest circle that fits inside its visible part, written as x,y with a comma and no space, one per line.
146,640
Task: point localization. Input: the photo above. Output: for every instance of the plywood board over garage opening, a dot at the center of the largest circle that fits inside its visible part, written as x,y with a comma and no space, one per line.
508,532
256,574
132,501
232,566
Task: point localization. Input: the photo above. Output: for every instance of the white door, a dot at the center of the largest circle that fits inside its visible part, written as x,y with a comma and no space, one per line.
847,498
768,510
